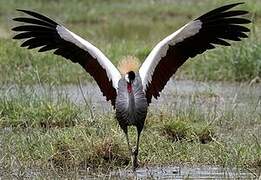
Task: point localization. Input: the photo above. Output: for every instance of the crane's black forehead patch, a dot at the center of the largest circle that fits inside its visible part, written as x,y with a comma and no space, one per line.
131,75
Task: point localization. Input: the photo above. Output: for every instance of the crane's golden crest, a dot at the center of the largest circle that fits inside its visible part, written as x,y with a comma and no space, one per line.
129,63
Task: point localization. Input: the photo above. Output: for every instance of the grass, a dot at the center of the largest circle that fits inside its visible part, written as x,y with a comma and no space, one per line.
107,25
52,133
31,112
183,129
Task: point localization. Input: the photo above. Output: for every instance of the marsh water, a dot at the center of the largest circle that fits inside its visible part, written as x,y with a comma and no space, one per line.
176,94
173,172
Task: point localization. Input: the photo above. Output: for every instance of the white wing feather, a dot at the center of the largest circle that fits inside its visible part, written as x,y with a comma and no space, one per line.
111,71
160,50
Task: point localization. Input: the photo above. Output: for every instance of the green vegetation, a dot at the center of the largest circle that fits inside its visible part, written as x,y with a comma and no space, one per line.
183,129
108,25
51,132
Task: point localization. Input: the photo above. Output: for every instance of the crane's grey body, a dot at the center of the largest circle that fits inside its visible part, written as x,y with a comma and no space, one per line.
131,107
131,110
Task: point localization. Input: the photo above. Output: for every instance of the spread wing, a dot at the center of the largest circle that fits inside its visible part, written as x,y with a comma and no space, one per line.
199,35
41,32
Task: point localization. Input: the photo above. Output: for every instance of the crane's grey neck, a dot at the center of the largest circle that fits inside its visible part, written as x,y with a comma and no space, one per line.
131,101
130,77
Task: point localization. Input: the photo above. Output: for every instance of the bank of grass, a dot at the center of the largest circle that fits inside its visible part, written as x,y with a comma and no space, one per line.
107,24
58,136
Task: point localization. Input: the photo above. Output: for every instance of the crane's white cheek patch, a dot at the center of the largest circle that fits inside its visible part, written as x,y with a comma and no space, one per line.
127,78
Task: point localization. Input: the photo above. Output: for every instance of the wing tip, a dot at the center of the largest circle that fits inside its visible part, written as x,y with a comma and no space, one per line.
14,28
22,10
221,9
16,37
235,4
239,3
38,16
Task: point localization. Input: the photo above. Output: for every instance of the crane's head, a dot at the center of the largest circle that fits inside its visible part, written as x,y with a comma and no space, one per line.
128,66
129,77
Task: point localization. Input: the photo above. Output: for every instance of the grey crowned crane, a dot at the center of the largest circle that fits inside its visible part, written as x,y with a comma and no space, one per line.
131,92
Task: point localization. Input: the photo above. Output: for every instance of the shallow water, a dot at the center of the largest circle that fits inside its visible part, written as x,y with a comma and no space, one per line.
163,172
173,172
179,93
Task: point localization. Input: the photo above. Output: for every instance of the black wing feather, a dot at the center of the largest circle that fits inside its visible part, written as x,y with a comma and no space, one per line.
41,32
39,16
218,11
32,28
218,26
33,21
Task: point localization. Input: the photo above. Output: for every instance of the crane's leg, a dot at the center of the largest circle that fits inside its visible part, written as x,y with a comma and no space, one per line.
136,151
128,142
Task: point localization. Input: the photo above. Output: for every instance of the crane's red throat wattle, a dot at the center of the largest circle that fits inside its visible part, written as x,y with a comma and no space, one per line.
129,87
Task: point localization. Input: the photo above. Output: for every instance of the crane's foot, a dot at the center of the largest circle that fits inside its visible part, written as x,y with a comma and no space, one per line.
135,165
134,159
